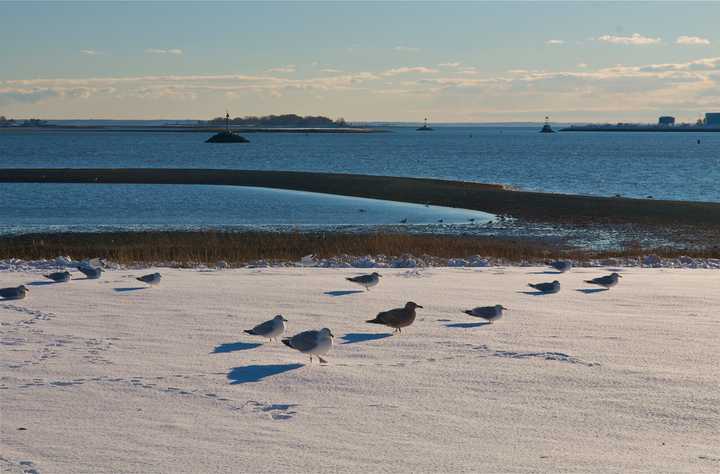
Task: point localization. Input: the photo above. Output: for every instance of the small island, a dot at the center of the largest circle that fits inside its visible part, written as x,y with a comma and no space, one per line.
424,128
227,136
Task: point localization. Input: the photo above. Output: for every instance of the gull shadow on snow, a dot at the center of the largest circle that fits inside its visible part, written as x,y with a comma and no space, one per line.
535,293
130,288
42,283
589,291
234,346
546,272
466,325
354,337
342,292
255,373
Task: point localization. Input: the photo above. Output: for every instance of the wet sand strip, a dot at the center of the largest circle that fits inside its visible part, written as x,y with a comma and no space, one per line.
493,198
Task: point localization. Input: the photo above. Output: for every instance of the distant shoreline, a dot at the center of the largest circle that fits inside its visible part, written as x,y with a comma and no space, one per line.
184,129
638,128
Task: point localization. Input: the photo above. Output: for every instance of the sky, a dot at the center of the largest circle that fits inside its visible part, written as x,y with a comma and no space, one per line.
363,61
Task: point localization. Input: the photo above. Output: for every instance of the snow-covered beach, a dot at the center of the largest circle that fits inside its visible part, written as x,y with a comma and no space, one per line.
105,375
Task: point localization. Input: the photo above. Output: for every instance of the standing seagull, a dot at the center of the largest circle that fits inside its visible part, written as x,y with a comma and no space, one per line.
59,277
91,273
367,281
14,293
312,343
608,281
561,265
397,318
488,313
553,287
150,279
270,329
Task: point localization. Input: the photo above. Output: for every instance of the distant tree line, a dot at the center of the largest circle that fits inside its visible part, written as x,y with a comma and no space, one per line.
285,120
6,122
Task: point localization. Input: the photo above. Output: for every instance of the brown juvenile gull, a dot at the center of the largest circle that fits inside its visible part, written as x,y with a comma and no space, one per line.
312,343
608,281
367,281
488,313
397,318
14,293
270,329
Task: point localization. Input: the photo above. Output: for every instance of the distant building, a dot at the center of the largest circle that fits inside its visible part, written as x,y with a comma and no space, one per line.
712,119
666,121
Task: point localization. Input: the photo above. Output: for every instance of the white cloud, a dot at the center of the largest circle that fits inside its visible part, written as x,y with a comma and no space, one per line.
91,52
331,71
582,65
406,49
635,39
409,70
453,64
283,69
163,51
554,42
692,40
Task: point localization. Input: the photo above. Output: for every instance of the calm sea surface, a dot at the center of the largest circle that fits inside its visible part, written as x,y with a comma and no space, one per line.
662,165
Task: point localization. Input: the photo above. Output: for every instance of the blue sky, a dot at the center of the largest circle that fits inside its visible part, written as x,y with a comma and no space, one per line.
456,62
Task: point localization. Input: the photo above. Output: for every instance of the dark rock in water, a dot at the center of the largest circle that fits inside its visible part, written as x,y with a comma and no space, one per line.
227,137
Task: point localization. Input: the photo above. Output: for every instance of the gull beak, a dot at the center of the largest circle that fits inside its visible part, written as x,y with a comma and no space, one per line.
419,306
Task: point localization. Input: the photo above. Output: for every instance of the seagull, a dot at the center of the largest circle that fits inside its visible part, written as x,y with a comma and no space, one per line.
488,313
397,318
150,279
14,293
91,273
59,277
367,281
270,329
312,343
553,287
608,281
561,265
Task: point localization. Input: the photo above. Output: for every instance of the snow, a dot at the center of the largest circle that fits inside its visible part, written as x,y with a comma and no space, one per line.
108,376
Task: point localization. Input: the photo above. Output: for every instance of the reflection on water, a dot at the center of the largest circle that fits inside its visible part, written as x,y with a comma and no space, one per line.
56,207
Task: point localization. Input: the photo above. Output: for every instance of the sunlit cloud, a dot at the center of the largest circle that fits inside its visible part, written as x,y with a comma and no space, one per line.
91,52
635,39
284,69
455,88
409,70
406,49
554,42
451,64
692,41
174,51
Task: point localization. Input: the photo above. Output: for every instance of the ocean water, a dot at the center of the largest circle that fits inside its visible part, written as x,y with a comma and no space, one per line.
661,165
